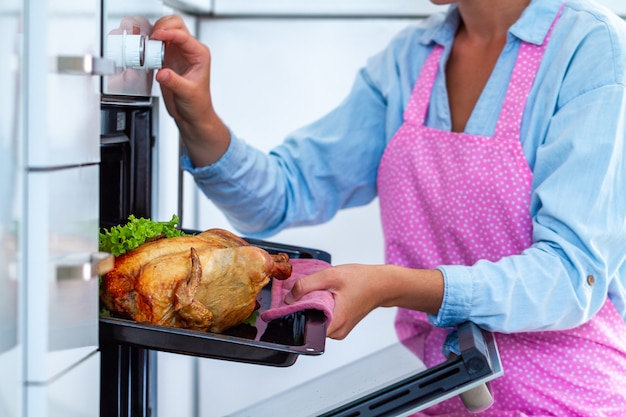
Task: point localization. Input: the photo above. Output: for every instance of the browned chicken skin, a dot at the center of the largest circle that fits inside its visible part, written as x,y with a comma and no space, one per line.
209,281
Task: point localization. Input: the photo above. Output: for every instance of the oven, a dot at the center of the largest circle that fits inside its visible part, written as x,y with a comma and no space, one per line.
126,147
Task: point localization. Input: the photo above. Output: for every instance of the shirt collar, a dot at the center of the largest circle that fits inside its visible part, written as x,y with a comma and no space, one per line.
532,26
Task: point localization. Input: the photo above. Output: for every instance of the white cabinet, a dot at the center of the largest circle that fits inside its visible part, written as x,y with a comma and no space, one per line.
10,134
191,6
62,213
75,393
60,323
59,206
10,389
375,8
62,43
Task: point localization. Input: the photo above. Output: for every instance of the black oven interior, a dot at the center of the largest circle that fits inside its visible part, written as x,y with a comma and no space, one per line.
126,146
127,140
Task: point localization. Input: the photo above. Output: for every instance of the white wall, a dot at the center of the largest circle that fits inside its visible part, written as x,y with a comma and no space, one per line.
618,6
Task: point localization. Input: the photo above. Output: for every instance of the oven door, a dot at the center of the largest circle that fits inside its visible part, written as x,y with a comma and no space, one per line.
394,382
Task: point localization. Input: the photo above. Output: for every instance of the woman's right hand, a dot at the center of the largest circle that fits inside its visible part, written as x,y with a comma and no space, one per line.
359,289
185,80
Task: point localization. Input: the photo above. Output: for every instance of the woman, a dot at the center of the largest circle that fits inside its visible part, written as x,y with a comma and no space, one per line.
493,136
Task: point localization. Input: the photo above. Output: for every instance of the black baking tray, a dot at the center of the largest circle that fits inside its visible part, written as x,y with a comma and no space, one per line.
277,343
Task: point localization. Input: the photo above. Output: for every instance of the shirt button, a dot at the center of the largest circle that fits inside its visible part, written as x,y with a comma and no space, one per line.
591,279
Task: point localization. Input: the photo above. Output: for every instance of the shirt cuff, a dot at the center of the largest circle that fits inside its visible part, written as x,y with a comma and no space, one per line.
457,297
451,344
232,158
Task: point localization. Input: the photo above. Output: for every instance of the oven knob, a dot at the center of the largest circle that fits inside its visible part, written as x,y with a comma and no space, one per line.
154,53
126,50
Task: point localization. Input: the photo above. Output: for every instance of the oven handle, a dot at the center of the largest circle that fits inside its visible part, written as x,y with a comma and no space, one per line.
99,263
84,65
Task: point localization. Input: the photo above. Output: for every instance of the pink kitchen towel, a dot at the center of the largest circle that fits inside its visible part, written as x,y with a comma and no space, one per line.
318,300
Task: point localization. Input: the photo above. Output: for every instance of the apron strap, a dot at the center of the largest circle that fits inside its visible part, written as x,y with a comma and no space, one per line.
417,107
526,66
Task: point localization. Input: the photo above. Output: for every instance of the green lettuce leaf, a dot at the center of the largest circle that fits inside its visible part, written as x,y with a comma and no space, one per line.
123,238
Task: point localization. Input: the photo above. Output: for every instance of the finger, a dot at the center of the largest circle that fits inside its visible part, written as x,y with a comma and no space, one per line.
342,324
177,36
184,44
315,282
164,77
170,80
338,328
170,22
333,332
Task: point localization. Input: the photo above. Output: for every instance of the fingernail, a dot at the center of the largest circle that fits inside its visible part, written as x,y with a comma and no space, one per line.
163,76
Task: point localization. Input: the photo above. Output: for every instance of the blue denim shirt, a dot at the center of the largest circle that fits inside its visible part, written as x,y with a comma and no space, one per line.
573,136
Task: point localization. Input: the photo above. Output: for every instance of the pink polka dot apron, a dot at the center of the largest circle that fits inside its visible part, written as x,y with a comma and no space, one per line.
453,199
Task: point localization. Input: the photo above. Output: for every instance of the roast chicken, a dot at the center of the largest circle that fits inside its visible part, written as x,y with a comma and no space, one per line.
207,282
